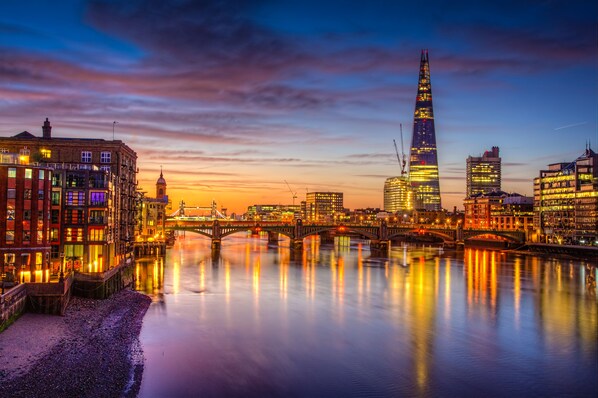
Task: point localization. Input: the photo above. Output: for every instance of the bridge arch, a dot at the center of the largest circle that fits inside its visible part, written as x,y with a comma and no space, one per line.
315,230
418,231
505,235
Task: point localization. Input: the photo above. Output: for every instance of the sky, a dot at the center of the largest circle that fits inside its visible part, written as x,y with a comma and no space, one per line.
233,98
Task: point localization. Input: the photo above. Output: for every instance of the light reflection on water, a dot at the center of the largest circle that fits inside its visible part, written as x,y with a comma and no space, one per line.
259,320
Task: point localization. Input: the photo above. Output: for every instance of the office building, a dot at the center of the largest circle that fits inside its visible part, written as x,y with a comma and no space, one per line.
566,201
483,173
398,195
423,161
323,206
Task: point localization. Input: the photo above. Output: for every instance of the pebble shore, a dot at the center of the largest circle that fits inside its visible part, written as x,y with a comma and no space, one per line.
93,351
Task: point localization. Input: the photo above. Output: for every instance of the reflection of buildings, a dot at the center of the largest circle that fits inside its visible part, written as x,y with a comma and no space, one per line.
483,173
25,192
322,206
566,201
423,162
398,195
93,196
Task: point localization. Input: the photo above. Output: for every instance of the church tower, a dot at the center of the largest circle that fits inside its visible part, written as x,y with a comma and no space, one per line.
423,162
161,187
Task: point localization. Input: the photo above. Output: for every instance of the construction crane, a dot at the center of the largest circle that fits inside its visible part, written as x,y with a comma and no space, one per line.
402,162
291,191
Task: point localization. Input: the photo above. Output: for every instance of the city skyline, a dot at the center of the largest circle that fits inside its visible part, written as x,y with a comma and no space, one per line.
232,99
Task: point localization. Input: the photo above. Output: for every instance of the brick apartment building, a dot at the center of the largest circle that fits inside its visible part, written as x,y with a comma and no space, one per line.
93,198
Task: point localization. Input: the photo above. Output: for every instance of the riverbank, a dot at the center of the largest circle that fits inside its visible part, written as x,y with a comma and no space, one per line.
92,351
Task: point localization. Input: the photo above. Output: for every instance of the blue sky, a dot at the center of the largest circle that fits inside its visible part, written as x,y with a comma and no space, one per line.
234,97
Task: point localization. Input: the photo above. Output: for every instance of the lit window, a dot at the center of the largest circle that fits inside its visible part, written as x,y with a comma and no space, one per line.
12,172
28,173
46,153
85,156
105,157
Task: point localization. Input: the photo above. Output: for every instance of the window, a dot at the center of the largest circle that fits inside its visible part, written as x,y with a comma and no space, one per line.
11,193
27,193
74,235
75,198
41,175
98,198
96,234
26,214
105,168
10,236
54,234
28,173
46,153
105,157
56,180
40,194
74,216
85,156
55,198
12,172
54,216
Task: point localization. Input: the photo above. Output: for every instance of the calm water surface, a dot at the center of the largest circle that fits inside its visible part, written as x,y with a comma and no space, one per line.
335,321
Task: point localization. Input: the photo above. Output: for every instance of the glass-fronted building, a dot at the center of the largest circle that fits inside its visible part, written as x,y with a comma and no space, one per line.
423,160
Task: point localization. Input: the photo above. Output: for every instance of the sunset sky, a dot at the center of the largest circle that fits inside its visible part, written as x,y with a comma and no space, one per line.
233,98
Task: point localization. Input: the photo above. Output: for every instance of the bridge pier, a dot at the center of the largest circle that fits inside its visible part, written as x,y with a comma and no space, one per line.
297,244
216,244
272,238
326,237
381,246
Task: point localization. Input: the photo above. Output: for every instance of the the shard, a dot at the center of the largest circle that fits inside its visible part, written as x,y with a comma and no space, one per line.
423,162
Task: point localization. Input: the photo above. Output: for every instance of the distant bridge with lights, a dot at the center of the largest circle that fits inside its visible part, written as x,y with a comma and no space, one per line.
380,234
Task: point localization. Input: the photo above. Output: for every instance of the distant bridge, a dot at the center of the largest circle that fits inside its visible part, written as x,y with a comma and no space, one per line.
379,234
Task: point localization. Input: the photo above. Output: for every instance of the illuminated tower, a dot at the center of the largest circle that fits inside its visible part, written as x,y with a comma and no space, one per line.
483,173
423,162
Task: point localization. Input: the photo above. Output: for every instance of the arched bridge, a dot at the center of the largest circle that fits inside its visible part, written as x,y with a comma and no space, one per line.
379,235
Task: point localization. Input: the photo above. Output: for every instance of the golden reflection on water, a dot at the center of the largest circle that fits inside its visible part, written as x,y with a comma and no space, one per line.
555,295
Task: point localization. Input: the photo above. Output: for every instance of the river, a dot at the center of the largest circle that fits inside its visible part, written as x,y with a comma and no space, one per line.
256,320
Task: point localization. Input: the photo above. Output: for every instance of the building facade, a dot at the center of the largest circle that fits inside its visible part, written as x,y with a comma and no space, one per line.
93,199
566,201
398,195
483,173
151,214
323,206
25,192
498,210
423,160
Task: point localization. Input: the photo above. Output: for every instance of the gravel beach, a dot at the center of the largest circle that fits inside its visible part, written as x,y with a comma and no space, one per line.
93,351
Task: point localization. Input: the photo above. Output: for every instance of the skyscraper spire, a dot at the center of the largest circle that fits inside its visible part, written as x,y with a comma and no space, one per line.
423,162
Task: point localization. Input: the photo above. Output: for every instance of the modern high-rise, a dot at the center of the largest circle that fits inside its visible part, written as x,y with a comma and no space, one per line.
483,173
423,162
398,195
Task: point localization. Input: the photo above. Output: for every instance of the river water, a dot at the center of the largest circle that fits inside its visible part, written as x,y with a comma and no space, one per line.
336,321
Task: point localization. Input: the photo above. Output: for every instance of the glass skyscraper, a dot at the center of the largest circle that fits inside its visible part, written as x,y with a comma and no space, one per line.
423,162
